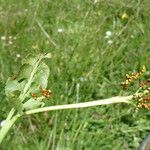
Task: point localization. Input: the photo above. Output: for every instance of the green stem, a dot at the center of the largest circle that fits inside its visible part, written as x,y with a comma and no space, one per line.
11,113
11,120
6,127
112,100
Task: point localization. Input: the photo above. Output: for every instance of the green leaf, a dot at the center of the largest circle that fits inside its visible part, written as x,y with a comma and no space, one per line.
32,75
12,91
24,72
33,104
15,102
11,86
22,84
42,75
40,79
31,60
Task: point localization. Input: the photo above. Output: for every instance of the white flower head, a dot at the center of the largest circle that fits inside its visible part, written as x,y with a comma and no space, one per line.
10,42
108,33
60,30
18,55
110,42
10,37
3,38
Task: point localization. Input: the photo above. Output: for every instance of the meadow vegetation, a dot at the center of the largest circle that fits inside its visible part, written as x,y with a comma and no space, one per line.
93,44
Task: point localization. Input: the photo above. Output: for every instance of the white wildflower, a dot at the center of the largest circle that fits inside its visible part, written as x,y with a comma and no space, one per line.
110,42
10,37
10,42
108,33
60,30
3,38
18,55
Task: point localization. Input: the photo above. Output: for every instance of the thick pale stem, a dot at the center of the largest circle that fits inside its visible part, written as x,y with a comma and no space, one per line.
112,100
11,120
11,113
7,125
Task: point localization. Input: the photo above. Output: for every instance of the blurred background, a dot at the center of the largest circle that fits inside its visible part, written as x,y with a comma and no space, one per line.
93,44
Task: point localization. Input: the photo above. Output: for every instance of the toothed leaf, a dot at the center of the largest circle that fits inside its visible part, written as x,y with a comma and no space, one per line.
33,104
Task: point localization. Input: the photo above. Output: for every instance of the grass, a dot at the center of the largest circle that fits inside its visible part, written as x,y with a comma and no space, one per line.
83,66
